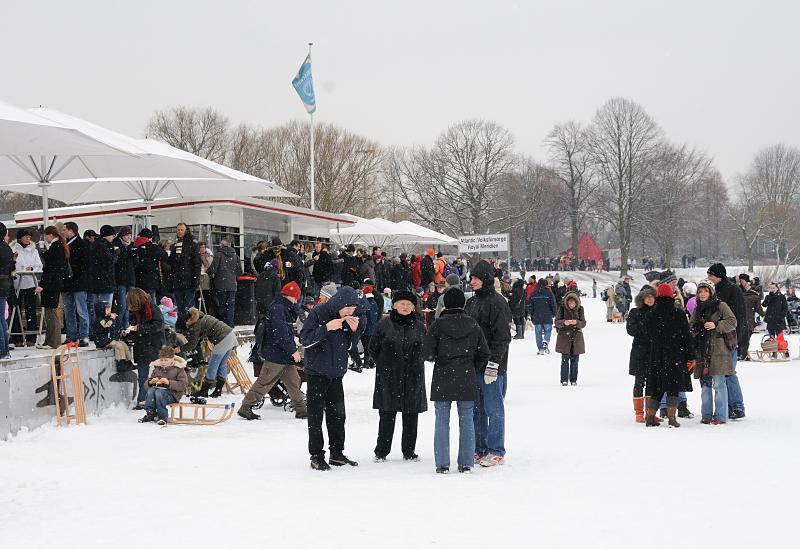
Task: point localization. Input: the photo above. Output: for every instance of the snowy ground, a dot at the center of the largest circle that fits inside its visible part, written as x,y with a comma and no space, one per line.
579,473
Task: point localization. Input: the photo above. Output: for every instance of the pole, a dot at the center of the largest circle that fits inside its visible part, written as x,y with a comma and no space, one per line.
313,203
45,185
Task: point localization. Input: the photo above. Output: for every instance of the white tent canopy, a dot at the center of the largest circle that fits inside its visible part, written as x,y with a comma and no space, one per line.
387,233
426,236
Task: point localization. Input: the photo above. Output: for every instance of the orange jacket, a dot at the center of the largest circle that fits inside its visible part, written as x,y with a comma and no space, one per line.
438,270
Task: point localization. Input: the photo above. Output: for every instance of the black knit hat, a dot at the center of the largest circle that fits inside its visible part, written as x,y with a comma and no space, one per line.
404,295
146,233
718,270
107,230
745,277
23,232
454,298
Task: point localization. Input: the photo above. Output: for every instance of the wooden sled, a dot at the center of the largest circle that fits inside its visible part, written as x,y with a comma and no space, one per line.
199,415
66,369
243,382
769,356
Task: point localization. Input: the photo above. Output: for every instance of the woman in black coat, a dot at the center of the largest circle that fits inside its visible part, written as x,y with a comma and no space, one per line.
640,348
671,357
777,308
54,261
517,304
146,334
396,348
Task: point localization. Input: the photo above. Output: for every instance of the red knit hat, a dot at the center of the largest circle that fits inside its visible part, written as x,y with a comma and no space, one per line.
291,290
664,290
368,289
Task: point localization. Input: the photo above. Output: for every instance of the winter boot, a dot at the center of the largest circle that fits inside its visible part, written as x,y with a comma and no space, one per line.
218,388
638,409
671,412
203,390
318,463
148,417
545,348
247,413
340,459
650,418
301,414
683,410
518,333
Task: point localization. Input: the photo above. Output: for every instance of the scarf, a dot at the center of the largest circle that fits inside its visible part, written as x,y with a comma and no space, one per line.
148,314
704,338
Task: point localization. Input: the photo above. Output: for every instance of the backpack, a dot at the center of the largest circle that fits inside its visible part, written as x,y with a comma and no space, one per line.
447,269
604,295
261,332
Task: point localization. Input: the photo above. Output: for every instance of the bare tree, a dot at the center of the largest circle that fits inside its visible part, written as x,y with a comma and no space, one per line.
203,132
567,144
622,141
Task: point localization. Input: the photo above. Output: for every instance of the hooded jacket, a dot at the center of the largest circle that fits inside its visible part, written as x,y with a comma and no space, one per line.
490,310
225,269
517,301
326,352
777,308
570,338
396,348
458,348
640,348
176,374
279,345
543,305
202,326
27,257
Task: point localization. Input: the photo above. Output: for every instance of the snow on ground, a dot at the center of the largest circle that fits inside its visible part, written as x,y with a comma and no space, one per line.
579,473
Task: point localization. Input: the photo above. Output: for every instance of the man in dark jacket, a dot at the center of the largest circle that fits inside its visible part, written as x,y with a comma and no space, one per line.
268,285
732,296
6,268
149,258
328,333
293,268
75,288
184,259
224,271
350,265
280,354
102,274
517,305
323,266
427,269
490,310
124,274
543,308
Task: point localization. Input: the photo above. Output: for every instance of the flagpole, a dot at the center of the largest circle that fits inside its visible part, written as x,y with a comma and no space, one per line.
313,205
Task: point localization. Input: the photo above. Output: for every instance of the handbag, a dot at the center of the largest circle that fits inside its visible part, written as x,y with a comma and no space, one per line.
769,344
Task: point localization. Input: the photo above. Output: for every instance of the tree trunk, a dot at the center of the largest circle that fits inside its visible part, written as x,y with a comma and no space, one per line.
749,257
574,223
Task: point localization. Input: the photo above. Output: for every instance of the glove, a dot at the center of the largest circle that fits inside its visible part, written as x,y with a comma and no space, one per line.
690,365
490,374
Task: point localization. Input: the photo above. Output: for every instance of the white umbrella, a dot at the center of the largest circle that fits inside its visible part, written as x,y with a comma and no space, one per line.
33,148
427,236
158,171
375,230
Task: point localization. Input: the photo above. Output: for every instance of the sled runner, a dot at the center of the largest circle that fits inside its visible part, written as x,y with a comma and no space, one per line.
66,369
200,413
769,356
243,382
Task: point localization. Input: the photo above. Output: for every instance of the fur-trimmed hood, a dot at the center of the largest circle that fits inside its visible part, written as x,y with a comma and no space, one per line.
180,362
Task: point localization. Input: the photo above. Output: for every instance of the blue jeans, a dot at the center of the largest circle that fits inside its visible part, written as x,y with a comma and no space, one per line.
157,400
490,417
76,316
569,368
121,297
218,365
226,305
735,397
91,300
538,329
718,405
184,299
466,433
3,328
681,398
144,373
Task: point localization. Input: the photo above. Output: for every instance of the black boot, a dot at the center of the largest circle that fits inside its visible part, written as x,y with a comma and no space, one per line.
247,413
148,417
518,334
340,459
683,411
318,463
203,390
218,388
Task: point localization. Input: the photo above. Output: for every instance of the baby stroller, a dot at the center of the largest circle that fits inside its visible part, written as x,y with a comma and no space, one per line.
793,318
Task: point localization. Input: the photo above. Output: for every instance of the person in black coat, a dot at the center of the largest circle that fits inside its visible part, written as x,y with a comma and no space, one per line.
427,269
54,262
184,260
293,266
75,288
124,274
323,267
517,305
396,348
349,266
102,278
640,348
268,285
146,335
458,348
490,310
150,258
776,310
7,266
671,358
731,294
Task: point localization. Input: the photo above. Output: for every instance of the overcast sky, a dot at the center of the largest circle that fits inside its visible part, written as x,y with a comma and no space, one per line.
719,75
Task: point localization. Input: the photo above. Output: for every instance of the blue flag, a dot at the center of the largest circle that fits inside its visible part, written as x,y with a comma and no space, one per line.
304,85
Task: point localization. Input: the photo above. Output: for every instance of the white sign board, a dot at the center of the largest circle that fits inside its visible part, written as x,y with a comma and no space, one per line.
479,243
615,258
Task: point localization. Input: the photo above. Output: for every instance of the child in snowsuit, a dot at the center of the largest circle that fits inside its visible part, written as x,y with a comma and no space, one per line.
569,323
166,385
